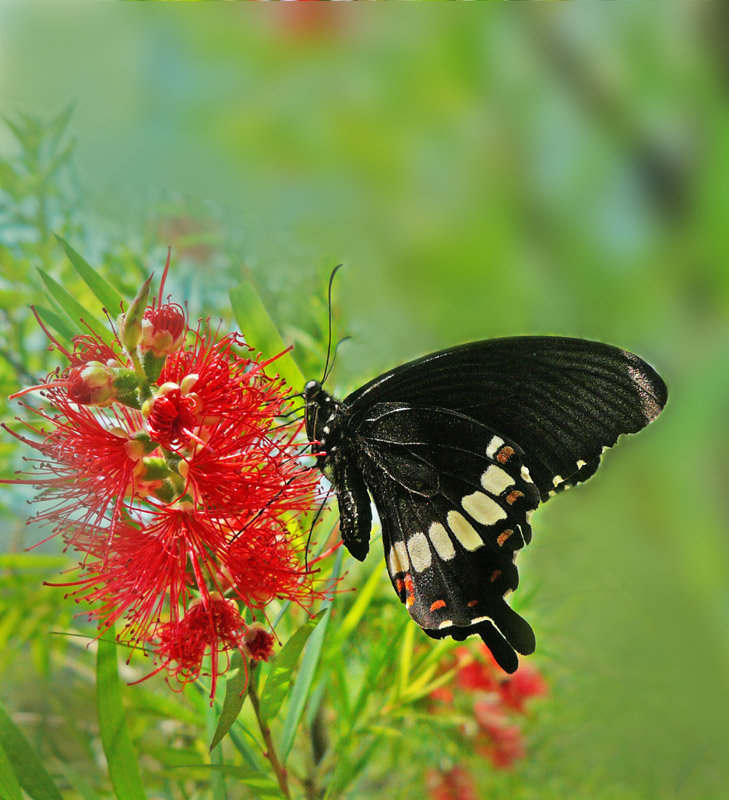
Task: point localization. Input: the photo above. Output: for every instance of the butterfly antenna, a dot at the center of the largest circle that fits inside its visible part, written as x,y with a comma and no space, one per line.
334,360
329,340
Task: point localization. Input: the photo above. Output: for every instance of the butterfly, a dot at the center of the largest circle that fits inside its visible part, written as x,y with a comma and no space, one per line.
457,449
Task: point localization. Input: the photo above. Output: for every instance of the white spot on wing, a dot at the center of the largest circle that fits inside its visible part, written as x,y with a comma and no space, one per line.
476,620
398,558
494,445
581,464
446,624
441,541
526,475
464,531
495,480
419,551
557,480
482,508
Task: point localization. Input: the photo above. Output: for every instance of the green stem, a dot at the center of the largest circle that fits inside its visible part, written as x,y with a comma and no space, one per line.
270,753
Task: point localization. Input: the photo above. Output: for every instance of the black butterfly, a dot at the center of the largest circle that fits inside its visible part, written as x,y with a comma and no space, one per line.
457,449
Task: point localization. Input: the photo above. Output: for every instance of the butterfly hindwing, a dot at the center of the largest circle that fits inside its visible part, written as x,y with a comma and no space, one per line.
454,502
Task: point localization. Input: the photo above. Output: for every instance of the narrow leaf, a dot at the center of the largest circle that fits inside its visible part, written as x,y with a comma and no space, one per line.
301,688
379,661
217,781
309,663
9,786
71,306
28,768
120,755
262,786
260,332
57,322
104,291
280,677
406,658
359,607
236,689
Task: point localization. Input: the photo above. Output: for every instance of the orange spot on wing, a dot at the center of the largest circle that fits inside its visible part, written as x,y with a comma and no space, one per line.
437,604
410,589
512,497
503,536
399,585
495,575
505,454
472,603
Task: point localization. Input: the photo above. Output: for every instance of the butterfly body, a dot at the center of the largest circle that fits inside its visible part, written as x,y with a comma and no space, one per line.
457,449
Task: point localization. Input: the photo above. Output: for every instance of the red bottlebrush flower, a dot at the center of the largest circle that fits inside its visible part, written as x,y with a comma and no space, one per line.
213,625
87,467
171,418
163,329
258,642
178,504
500,741
475,675
442,694
455,784
526,682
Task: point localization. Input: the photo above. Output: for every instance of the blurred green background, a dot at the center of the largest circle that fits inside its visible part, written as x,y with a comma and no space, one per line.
481,171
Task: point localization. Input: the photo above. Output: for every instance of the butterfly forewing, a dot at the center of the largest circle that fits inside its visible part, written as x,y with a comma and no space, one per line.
562,400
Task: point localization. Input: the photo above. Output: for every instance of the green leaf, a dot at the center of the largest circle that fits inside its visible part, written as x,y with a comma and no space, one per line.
57,322
281,674
120,755
300,692
262,786
217,782
236,689
9,786
378,662
359,607
72,307
309,663
260,332
406,659
106,293
28,768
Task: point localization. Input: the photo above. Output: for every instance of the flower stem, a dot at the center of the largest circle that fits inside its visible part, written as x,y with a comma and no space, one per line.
270,754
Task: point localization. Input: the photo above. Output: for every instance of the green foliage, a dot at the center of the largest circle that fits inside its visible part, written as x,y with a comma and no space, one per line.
118,748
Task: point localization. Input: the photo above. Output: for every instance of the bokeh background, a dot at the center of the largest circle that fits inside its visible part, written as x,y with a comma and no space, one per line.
480,171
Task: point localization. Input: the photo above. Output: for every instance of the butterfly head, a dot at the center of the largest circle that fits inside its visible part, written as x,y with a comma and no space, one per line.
320,414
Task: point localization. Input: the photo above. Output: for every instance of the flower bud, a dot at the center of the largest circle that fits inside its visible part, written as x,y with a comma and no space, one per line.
91,384
258,643
130,329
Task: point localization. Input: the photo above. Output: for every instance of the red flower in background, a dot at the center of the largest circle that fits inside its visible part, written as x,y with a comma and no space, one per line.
495,701
523,684
164,462
455,784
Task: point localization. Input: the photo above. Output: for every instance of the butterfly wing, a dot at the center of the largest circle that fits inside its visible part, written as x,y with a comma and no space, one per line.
561,400
454,500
